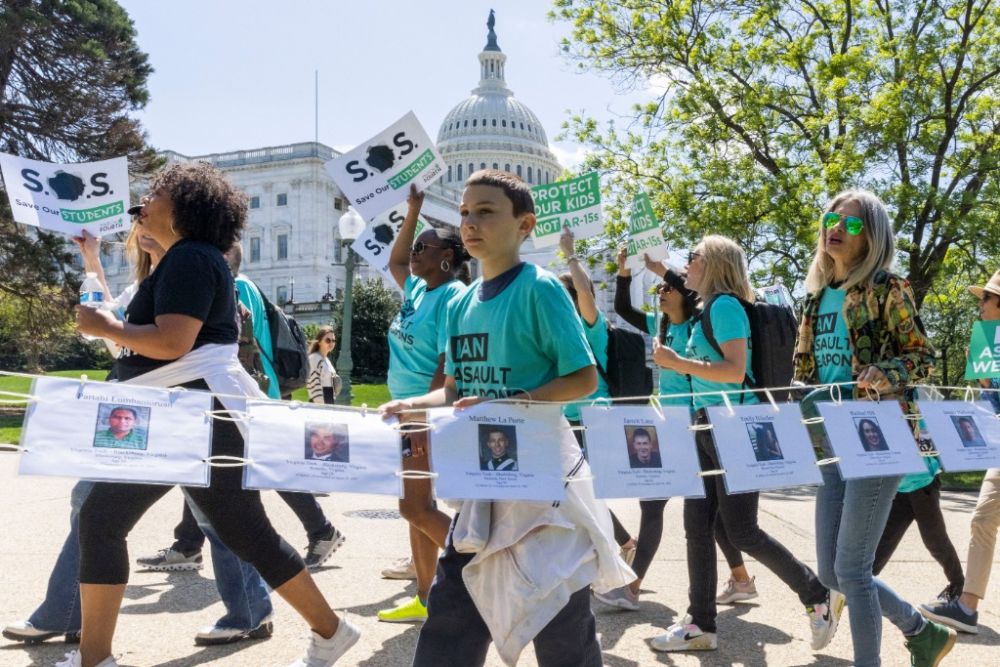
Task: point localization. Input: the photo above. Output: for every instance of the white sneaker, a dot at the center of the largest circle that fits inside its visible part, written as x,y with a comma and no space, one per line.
325,652
216,634
684,636
401,569
23,631
73,659
824,618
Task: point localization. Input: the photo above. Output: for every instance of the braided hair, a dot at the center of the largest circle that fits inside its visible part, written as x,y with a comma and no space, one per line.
451,238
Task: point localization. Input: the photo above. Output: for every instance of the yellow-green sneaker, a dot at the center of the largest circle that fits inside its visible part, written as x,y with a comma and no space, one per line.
411,611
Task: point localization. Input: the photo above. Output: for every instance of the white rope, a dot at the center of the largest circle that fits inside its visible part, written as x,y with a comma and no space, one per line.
224,461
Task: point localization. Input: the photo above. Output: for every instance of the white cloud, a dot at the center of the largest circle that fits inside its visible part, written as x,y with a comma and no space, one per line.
657,85
570,156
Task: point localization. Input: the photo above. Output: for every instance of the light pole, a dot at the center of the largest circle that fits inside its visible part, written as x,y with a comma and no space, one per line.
291,285
350,226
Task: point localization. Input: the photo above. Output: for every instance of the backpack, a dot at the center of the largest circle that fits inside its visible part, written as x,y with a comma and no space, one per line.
773,329
289,347
249,350
627,373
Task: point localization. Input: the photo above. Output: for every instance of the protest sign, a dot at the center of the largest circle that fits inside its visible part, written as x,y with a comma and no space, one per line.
644,234
762,448
635,452
984,351
374,245
498,451
68,198
116,432
965,434
377,175
871,439
573,203
320,450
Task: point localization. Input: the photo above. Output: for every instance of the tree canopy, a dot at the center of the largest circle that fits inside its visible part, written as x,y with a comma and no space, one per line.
769,108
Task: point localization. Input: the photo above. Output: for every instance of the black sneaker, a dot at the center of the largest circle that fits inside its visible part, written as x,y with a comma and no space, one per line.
319,551
215,634
170,560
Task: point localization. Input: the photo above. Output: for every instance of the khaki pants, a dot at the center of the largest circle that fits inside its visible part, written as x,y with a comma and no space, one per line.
985,522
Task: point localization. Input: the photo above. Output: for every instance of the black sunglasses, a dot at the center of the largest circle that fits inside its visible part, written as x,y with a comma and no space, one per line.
692,255
665,288
420,246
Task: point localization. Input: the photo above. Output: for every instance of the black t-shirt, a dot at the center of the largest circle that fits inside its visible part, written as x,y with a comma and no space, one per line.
192,279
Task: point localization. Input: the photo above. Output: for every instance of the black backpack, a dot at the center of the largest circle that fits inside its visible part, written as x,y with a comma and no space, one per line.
627,373
289,347
772,338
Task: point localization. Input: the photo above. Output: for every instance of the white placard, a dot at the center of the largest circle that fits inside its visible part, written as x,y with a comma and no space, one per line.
636,453
321,449
375,244
871,439
763,449
117,432
68,198
645,238
377,175
965,434
498,451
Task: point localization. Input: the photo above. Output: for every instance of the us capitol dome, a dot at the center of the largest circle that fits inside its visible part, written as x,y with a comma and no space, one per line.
492,129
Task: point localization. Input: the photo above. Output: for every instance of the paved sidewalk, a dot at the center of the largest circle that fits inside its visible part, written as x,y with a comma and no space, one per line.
163,611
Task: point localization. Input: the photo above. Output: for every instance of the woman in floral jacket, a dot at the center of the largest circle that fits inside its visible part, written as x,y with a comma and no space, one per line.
860,324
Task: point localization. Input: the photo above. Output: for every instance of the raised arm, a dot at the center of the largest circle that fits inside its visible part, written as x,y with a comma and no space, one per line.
623,296
399,258
581,281
90,250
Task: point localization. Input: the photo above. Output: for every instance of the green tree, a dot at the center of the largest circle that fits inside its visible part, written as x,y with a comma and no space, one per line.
375,306
771,107
70,75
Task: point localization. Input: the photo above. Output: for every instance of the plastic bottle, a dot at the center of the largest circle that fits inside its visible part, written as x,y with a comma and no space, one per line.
91,296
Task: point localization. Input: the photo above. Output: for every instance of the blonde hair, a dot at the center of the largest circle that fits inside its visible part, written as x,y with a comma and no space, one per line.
725,271
880,243
141,261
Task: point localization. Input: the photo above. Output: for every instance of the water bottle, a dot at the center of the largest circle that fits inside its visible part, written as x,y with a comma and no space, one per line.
91,296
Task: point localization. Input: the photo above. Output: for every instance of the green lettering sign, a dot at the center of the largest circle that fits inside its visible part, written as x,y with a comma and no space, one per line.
984,351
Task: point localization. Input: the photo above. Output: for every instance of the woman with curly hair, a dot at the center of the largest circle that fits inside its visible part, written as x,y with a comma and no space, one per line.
180,329
860,324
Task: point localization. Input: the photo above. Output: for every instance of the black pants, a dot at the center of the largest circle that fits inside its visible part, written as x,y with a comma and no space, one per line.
455,635
924,507
738,512
112,510
188,536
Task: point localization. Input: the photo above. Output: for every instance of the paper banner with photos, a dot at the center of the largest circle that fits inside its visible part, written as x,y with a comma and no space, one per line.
636,453
69,198
966,434
761,448
871,439
498,451
983,362
644,234
573,203
377,175
375,243
320,450
115,432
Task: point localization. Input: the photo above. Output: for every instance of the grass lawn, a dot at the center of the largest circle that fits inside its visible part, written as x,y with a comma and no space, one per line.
371,395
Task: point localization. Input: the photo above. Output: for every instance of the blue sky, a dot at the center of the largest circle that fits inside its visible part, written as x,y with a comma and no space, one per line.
240,74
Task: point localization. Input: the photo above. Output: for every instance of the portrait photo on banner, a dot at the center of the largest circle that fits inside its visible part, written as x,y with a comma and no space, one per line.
643,447
497,448
968,431
870,434
122,426
764,441
327,441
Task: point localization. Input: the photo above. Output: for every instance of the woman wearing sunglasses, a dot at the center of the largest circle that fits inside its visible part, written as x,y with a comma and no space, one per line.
323,382
430,273
860,324
717,271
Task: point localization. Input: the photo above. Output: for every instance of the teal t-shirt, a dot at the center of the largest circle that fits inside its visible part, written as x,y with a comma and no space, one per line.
911,483
676,338
417,336
252,301
520,339
831,345
597,338
729,322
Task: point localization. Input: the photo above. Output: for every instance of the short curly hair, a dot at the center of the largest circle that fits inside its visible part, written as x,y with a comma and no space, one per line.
207,206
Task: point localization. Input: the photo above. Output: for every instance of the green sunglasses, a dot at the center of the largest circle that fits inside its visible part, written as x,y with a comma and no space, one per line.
851,224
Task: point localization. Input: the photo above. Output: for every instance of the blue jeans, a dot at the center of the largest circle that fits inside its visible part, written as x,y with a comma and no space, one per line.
243,593
850,519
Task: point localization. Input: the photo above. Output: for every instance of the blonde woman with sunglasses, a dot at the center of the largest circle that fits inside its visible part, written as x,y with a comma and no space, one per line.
860,324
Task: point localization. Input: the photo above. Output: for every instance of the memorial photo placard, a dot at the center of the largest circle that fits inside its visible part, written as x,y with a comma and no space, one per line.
320,449
871,439
498,451
107,431
637,453
762,448
965,434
